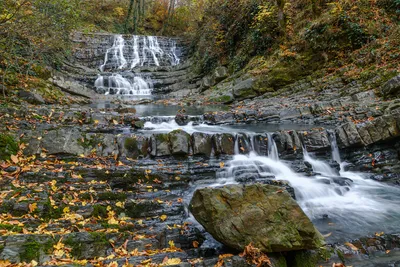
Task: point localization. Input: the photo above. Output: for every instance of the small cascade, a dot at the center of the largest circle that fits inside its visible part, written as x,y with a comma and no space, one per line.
272,148
116,84
318,165
335,149
127,54
346,200
140,51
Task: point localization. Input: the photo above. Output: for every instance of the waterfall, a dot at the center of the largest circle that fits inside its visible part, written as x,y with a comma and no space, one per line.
351,203
272,149
118,85
127,54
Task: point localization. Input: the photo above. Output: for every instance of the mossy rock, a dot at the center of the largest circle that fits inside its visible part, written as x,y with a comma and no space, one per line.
140,209
8,146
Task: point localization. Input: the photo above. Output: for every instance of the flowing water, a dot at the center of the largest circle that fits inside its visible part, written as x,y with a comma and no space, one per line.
118,75
343,205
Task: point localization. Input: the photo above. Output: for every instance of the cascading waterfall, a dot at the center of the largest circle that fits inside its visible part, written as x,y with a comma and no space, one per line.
338,202
127,54
272,149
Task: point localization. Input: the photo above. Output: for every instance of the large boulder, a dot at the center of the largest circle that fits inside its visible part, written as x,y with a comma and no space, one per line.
202,144
391,87
264,215
220,74
244,89
224,144
180,142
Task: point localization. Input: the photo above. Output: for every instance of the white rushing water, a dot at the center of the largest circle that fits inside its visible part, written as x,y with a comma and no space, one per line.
116,84
344,204
140,51
127,54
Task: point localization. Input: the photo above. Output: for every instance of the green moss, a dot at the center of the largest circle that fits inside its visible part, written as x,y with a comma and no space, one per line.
162,138
99,238
30,250
139,209
309,258
91,142
75,246
8,146
224,99
131,145
49,212
9,227
85,196
99,211
112,196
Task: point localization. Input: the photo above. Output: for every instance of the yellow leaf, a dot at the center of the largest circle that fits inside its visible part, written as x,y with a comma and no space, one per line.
66,210
34,263
32,207
112,221
173,261
120,204
171,244
163,217
222,164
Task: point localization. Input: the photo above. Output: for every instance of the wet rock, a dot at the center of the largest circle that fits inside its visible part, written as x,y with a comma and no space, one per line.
347,135
133,146
224,144
261,144
228,214
31,97
244,89
202,144
315,140
219,118
138,124
180,142
391,87
160,145
182,119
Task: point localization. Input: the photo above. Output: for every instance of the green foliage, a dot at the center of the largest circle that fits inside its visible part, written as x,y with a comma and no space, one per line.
8,146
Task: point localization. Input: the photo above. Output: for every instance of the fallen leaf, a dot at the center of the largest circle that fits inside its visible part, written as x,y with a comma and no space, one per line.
32,207
14,159
350,245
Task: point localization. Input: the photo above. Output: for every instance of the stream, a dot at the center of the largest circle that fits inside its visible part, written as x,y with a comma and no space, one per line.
343,205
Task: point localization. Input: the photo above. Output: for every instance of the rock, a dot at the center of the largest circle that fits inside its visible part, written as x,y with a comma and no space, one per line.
64,141
138,124
202,144
219,118
244,89
31,97
229,214
207,82
160,145
220,74
391,87
180,142
182,119
315,140
224,144
133,146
